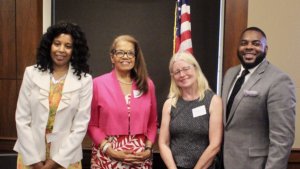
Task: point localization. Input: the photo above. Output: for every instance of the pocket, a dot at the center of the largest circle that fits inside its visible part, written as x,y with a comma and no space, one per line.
258,152
56,139
250,93
56,136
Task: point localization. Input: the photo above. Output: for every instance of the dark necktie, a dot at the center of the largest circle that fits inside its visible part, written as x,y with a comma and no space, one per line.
237,86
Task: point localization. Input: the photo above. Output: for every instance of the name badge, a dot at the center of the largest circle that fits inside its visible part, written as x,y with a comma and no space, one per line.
137,93
199,111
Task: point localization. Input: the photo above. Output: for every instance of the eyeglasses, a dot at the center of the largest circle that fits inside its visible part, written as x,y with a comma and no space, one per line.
183,69
121,53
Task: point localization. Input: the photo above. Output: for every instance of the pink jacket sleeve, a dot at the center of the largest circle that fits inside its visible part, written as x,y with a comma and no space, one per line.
94,131
152,123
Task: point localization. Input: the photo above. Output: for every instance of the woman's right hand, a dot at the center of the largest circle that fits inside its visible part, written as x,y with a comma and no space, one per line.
38,165
125,156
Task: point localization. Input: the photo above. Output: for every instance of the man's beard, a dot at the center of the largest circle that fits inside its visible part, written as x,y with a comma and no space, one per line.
257,61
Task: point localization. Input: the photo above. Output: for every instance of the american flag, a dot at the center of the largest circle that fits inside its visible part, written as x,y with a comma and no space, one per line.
182,28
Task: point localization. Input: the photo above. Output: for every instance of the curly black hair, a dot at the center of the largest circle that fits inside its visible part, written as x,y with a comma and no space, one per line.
80,51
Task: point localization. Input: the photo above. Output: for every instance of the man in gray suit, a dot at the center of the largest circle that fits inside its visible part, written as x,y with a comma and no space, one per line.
259,119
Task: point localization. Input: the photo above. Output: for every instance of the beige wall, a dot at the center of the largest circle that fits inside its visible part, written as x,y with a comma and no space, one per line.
280,19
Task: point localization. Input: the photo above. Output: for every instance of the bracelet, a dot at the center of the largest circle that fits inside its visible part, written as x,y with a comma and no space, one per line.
101,147
148,148
105,147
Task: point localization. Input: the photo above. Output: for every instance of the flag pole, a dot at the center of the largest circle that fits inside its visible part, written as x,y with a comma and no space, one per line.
174,31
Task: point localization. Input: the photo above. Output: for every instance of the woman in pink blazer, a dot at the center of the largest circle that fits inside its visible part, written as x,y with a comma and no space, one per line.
123,121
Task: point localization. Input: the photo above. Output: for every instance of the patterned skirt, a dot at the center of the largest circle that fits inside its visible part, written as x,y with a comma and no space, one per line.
134,143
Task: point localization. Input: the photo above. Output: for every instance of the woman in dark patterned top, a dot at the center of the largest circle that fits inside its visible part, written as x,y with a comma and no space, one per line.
191,127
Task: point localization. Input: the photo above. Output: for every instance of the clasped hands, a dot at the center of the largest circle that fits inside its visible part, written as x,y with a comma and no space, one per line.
129,157
49,164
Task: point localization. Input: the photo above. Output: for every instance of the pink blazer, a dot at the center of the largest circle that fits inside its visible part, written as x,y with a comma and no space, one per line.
109,114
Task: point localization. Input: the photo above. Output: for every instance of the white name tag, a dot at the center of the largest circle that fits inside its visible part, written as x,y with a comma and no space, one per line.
137,93
199,111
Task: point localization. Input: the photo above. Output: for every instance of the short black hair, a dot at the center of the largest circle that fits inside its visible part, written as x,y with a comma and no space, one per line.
255,29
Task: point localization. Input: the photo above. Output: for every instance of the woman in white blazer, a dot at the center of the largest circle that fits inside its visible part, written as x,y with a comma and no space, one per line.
53,108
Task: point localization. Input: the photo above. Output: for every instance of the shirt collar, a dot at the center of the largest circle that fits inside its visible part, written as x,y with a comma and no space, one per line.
250,70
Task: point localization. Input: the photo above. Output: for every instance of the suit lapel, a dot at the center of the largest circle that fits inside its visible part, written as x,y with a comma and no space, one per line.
70,84
253,79
226,89
42,80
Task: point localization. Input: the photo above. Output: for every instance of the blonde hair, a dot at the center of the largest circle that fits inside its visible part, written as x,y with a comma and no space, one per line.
202,83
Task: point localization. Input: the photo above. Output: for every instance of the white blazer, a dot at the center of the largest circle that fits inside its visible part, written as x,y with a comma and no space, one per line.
71,120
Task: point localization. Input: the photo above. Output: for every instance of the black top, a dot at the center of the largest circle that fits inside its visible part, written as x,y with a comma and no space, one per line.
189,127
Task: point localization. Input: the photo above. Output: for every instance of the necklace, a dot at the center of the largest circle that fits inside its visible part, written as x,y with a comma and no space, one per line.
59,79
126,83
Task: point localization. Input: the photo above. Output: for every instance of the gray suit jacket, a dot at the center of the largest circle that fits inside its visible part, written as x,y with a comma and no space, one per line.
260,129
